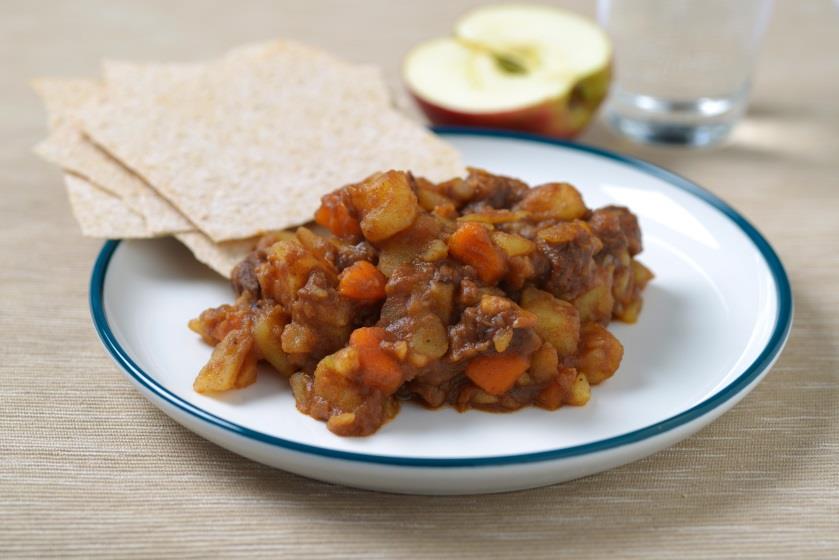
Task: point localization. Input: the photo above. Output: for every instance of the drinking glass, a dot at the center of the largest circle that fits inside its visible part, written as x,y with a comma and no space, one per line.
682,67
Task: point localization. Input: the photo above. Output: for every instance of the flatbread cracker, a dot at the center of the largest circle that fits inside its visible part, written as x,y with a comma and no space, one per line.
221,257
250,143
100,214
68,148
105,216
62,96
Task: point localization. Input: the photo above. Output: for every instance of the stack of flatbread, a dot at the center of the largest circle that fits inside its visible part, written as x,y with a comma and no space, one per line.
220,152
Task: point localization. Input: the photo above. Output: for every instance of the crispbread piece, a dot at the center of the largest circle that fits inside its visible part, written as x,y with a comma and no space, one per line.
221,257
101,214
251,142
154,78
61,96
68,148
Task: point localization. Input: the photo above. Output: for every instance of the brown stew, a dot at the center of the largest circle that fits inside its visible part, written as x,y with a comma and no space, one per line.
478,292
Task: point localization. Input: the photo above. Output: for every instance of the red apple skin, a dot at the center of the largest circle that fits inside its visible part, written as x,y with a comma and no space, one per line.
537,119
556,118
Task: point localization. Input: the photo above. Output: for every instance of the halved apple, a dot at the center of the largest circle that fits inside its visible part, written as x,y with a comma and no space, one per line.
532,68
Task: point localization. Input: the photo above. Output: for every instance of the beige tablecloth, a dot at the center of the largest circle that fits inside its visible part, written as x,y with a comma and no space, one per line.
89,468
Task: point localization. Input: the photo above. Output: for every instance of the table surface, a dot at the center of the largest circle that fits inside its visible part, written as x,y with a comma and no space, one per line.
89,468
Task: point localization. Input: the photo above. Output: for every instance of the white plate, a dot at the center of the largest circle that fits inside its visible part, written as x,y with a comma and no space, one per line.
715,319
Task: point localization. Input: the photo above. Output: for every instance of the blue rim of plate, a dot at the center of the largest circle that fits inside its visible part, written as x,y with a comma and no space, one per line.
761,363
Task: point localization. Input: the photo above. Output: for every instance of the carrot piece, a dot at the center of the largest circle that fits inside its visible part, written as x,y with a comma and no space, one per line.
497,373
379,369
367,336
334,214
362,281
471,244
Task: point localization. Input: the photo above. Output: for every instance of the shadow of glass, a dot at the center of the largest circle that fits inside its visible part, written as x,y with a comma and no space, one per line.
767,134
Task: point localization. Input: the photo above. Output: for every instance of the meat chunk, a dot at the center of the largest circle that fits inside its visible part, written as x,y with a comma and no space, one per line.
348,254
244,277
418,308
617,228
495,324
570,248
482,190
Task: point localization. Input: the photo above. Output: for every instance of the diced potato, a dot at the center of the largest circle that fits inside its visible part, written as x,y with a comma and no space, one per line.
580,391
298,339
600,353
502,339
231,366
267,334
493,217
386,203
333,380
630,311
400,349
544,363
557,321
342,424
597,303
394,256
418,360
622,285
435,251
405,246
430,337
442,300
458,189
627,291
430,199
564,232
481,397
247,374
273,237
559,201
642,274
512,244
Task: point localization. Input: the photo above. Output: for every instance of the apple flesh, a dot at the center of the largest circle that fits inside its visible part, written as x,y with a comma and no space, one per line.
531,68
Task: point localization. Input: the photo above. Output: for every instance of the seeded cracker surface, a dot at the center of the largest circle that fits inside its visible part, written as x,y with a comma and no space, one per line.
251,142
67,147
101,214
221,257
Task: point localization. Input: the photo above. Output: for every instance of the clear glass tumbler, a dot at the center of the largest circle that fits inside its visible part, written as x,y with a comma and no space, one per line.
682,67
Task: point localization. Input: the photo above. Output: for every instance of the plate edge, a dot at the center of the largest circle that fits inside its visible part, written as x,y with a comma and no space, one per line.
775,344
